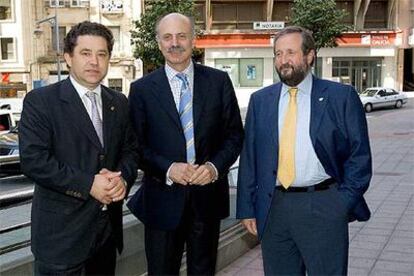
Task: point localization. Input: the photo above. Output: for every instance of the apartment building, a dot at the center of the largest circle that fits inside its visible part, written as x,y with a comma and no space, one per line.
15,56
43,24
237,38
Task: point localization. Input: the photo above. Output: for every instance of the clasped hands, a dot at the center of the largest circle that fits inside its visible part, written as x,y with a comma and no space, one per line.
108,186
189,174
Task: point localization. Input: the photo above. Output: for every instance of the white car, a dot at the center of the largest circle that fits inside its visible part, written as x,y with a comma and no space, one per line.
377,97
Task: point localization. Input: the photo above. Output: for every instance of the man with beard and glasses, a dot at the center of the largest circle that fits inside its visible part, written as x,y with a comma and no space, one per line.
190,132
305,165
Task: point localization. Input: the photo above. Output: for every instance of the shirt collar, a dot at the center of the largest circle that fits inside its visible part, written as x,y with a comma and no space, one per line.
82,90
304,87
171,72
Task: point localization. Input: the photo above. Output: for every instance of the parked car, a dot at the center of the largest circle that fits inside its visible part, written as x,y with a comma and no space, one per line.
9,152
377,97
7,121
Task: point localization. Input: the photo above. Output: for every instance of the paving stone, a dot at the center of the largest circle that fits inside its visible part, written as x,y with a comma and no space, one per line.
394,266
393,256
359,262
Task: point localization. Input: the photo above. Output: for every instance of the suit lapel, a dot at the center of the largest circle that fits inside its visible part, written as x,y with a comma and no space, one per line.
273,111
165,97
200,90
108,114
73,106
319,98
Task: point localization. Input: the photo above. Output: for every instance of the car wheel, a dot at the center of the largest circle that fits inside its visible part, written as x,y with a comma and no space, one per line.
398,104
368,107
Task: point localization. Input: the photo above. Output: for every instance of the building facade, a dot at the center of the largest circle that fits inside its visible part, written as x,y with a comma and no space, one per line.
237,38
38,40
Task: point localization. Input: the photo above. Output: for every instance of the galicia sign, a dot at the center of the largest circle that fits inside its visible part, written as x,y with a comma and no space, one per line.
272,25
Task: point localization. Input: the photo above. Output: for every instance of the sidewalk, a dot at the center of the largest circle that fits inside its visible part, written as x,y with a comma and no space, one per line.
384,245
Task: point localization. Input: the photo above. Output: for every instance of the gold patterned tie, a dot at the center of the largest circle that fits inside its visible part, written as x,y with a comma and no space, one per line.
286,165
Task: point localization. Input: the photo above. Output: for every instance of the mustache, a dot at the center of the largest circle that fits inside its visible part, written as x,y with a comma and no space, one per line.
286,66
175,49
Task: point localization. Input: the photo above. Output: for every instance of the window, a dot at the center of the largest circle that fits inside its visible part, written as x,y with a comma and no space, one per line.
8,48
243,72
116,32
56,3
234,15
5,10
115,84
62,33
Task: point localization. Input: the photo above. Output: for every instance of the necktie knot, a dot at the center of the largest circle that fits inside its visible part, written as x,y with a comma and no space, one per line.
183,77
293,91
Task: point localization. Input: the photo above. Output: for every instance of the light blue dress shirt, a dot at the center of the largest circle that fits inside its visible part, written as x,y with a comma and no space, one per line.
309,170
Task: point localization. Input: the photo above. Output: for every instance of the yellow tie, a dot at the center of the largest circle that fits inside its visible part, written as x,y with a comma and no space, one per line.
286,165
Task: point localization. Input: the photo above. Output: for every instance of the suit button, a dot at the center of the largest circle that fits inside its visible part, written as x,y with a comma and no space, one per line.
101,157
270,195
274,172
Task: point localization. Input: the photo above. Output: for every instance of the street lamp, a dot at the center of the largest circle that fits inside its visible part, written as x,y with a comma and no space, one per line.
52,21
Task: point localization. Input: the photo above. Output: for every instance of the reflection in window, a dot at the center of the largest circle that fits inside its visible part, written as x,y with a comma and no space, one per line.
62,34
7,48
115,84
243,72
5,10
116,32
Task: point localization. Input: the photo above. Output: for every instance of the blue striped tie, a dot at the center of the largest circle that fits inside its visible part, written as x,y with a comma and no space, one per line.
185,110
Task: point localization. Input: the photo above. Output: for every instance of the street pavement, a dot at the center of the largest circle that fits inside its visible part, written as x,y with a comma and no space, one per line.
384,245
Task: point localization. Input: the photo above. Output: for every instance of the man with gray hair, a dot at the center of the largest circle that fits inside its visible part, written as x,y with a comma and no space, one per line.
302,178
190,132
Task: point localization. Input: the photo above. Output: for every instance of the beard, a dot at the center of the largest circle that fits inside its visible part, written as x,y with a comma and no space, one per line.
292,75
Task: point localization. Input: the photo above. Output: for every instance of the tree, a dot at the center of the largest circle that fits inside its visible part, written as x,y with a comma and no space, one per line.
143,36
322,18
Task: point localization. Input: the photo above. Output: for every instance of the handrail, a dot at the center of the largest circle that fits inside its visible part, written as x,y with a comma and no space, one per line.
28,195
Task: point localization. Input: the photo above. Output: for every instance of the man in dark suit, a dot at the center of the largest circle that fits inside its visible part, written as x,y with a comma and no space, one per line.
188,122
305,165
77,144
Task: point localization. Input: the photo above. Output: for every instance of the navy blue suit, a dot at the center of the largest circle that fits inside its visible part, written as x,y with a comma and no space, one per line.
218,134
340,138
339,135
61,152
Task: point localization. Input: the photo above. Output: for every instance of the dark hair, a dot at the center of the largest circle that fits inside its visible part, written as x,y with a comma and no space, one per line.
87,28
308,43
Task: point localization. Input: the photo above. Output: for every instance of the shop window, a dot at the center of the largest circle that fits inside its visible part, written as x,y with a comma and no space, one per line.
116,32
115,84
5,10
62,34
251,72
243,72
8,48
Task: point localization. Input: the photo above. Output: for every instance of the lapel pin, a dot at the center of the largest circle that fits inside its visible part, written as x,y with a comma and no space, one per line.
320,99
112,108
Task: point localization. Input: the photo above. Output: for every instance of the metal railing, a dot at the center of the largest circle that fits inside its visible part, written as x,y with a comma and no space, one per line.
25,197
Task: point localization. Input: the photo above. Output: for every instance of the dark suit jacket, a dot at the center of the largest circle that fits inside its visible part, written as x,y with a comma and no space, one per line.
61,152
218,135
339,135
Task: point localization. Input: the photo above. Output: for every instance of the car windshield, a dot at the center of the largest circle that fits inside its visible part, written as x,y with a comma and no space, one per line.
369,92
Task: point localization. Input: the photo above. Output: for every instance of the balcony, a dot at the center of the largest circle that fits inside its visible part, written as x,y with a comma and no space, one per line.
112,7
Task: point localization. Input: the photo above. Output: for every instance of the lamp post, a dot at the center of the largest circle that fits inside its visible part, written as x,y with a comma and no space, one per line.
53,21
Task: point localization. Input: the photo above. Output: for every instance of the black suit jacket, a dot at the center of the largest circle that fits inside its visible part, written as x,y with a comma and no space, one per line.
218,137
61,152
